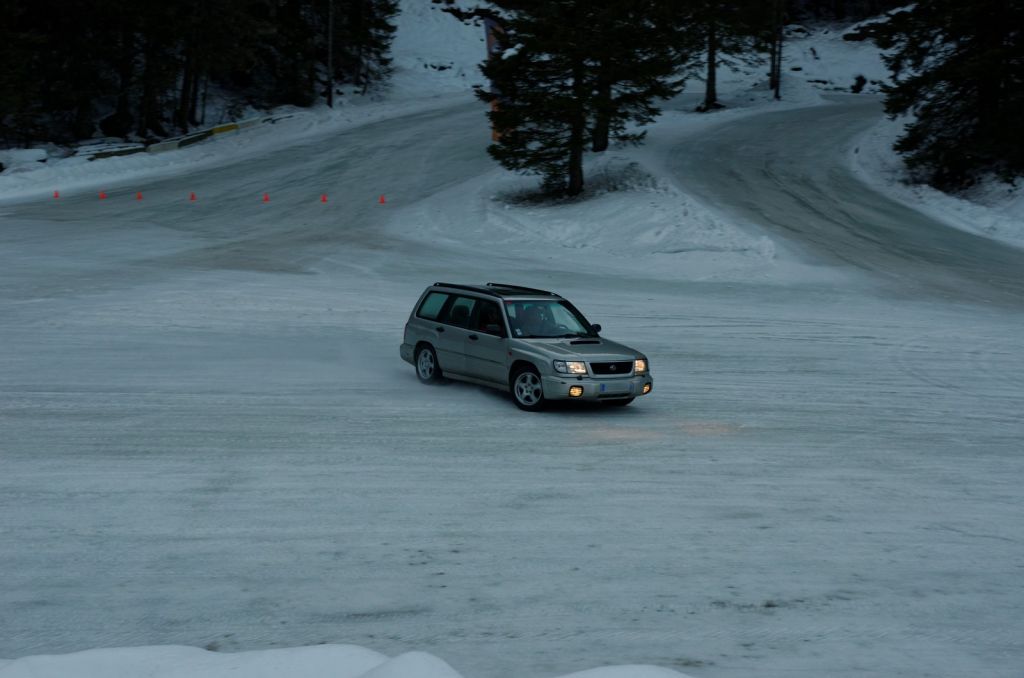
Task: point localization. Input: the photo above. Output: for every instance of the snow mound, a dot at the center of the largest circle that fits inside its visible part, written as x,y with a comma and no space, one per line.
630,217
318,661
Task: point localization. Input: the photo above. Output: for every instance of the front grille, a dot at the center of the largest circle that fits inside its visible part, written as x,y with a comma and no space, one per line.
619,369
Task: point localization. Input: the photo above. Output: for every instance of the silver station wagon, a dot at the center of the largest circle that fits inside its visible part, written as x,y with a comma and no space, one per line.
530,342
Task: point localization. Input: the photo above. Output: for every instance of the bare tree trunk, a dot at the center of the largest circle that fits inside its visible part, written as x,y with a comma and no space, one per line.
193,109
711,89
330,53
602,123
148,117
184,101
780,21
206,91
575,186
711,81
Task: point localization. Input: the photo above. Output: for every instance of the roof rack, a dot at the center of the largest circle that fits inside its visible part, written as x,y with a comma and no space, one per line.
471,288
520,288
499,290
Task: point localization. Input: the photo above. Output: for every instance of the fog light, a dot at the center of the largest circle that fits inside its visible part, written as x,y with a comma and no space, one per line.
647,389
575,391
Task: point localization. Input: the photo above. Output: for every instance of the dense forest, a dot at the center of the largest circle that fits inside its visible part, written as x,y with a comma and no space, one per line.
149,70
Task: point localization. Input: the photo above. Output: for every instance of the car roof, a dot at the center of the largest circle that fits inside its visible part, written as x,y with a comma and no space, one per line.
500,290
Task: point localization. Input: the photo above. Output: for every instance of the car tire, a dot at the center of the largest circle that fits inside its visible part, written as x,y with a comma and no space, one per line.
618,403
527,389
428,370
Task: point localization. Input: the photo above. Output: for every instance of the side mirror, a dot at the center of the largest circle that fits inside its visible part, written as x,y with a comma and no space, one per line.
494,329
596,328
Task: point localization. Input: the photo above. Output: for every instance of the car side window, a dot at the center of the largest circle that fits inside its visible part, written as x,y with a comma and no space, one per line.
488,319
459,312
431,307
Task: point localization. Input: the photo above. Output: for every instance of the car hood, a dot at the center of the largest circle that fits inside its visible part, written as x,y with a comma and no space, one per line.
597,348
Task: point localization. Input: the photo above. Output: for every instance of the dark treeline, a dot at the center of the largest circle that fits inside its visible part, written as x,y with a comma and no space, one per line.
578,73
583,72
72,70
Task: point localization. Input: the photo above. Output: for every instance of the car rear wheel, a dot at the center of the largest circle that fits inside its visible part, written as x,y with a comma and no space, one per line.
527,389
427,369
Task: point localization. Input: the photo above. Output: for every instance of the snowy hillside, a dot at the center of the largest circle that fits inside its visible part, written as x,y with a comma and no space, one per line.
433,52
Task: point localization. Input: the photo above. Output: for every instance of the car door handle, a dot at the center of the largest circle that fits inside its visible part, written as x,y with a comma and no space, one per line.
439,328
473,337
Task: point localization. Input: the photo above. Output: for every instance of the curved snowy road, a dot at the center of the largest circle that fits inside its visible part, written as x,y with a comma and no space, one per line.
782,172
207,437
119,242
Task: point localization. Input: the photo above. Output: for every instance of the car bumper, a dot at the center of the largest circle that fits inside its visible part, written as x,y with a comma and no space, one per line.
557,387
405,350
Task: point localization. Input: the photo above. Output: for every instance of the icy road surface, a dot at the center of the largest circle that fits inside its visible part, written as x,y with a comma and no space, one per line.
208,439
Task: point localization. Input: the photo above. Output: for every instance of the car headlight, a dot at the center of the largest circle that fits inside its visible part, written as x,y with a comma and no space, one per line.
570,367
640,366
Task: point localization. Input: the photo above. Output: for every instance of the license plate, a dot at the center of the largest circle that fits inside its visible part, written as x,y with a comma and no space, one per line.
616,388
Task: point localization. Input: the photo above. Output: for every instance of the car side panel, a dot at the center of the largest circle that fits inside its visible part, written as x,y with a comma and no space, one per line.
446,340
486,357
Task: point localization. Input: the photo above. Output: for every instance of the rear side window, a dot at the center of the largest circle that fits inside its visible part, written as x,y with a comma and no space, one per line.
432,305
460,311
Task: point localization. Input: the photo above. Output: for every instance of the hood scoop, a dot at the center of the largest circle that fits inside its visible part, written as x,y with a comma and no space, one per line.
584,341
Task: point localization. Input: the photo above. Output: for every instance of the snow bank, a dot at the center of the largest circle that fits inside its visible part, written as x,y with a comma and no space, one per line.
15,159
992,209
631,218
318,661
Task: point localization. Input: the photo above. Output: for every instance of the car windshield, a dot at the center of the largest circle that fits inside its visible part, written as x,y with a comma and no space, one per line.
546,319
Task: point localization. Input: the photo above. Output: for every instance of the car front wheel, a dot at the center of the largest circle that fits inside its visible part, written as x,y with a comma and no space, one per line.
527,389
427,369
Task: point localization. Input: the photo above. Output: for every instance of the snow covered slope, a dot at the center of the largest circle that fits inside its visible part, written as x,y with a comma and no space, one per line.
434,52
993,209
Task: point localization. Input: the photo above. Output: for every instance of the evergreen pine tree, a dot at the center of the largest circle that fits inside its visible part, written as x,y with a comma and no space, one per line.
726,32
364,41
958,68
576,75
637,49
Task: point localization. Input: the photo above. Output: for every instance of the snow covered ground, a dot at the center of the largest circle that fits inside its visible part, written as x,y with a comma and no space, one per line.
328,661
208,439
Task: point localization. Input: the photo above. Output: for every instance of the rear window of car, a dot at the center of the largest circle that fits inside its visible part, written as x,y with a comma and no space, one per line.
432,305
